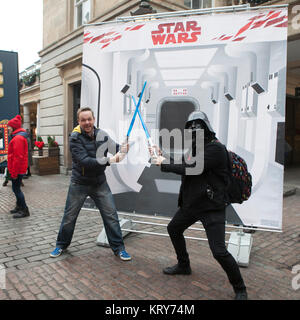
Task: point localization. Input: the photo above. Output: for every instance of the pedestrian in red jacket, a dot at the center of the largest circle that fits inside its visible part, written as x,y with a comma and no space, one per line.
17,163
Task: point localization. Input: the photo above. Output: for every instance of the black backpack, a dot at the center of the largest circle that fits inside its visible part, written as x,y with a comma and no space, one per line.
240,179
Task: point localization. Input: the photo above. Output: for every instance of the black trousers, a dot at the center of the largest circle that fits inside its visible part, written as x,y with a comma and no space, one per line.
214,225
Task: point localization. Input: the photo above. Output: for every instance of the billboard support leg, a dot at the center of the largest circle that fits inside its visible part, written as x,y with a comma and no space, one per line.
239,245
124,224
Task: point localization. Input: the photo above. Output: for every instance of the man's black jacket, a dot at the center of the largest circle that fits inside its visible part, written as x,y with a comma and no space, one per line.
89,155
193,191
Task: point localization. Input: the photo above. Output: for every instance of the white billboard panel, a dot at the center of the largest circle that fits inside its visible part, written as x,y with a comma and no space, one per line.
231,66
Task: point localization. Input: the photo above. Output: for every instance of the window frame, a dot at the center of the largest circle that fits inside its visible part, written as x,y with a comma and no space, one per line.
76,4
201,4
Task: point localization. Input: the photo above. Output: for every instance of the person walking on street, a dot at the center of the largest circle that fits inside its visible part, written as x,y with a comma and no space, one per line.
17,163
88,179
6,177
202,197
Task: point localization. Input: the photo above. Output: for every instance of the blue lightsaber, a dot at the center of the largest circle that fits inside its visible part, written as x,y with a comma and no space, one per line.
142,121
150,143
136,112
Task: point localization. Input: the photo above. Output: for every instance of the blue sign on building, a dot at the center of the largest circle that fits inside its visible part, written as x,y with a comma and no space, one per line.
9,96
9,85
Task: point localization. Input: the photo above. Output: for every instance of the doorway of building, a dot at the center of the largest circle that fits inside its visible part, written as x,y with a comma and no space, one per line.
74,93
76,101
292,131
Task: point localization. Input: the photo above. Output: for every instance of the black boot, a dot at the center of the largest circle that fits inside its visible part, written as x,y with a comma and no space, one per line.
177,269
16,209
5,183
241,295
22,213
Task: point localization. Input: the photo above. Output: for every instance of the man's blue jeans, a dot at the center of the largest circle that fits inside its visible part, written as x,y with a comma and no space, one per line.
104,201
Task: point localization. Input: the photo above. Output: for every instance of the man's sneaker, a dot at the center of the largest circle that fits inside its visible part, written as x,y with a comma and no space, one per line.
56,252
123,255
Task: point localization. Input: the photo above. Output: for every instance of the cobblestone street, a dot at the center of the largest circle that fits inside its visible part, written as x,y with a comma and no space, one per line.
88,271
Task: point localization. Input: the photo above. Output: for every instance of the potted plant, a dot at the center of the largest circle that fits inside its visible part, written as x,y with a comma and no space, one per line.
39,143
53,149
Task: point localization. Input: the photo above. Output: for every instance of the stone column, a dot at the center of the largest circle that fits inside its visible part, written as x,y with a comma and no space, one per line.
26,124
38,114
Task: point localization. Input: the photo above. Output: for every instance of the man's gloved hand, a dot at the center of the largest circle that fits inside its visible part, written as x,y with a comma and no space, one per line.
158,160
156,155
154,149
118,157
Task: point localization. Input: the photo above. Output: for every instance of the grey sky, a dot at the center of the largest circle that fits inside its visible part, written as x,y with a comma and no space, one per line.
21,29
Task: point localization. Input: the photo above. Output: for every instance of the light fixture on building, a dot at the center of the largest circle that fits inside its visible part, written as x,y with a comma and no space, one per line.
257,87
144,8
125,88
213,100
228,96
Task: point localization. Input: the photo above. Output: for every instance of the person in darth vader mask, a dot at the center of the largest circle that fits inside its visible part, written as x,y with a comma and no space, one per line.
202,197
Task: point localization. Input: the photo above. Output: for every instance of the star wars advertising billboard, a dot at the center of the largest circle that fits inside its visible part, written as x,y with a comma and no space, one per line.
9,97
231,66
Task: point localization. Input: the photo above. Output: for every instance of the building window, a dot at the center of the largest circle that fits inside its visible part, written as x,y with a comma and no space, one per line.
199,4
82,12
